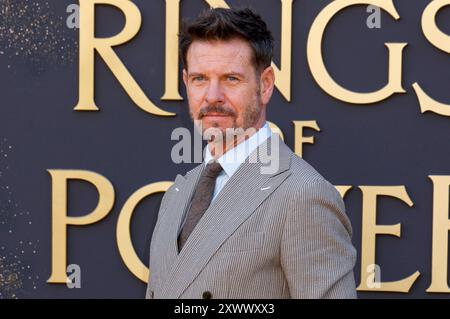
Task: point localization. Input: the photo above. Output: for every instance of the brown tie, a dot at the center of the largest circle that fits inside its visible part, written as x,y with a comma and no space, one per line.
200,201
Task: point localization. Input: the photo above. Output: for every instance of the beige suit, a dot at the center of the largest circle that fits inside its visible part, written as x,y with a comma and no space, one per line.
279,235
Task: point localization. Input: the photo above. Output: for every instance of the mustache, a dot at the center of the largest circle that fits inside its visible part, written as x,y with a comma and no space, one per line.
220,109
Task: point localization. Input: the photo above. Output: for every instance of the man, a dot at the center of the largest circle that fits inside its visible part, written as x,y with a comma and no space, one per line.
229,228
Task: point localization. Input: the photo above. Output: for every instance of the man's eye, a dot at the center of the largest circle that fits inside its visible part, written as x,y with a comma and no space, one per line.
198,78
232,78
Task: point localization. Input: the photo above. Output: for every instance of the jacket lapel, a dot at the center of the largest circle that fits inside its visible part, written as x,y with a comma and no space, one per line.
182,191
239,198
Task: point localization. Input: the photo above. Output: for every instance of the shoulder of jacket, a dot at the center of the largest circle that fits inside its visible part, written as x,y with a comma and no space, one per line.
303,173
194,170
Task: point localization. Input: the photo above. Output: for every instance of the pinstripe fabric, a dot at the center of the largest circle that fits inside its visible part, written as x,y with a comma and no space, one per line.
279,235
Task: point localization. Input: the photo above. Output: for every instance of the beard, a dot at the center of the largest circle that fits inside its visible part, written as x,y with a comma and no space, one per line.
251,115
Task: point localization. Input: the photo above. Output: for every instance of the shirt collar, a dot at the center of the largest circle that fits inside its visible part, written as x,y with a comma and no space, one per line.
233,158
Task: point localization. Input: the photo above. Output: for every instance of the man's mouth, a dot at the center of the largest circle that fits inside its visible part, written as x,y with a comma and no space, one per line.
216,114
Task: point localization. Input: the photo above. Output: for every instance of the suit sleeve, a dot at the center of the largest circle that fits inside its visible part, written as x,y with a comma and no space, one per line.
149,291
317,255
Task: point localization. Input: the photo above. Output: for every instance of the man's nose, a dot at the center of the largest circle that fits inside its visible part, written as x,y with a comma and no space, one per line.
214,93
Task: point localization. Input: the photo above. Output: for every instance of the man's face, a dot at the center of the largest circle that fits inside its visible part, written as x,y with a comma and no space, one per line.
223,88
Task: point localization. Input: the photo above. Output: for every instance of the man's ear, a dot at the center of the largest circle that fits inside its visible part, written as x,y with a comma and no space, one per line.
267,83
185,77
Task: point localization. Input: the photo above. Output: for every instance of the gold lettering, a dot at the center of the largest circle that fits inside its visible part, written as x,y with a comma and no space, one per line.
343,189
441,226
89,43
126,250
172,27
60,220
370,230
442,42
299,138
317,65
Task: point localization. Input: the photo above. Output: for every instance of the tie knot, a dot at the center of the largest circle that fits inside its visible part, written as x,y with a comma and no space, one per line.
213,169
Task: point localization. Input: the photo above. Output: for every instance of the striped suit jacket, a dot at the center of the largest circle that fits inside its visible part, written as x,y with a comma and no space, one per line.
278,235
